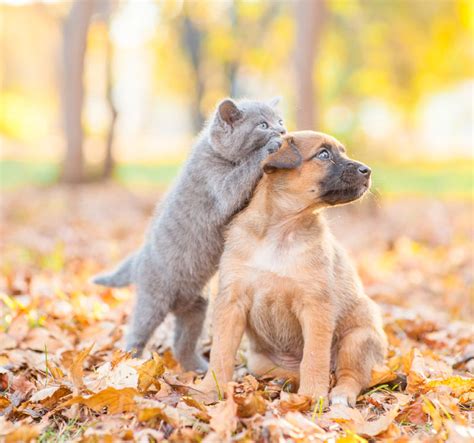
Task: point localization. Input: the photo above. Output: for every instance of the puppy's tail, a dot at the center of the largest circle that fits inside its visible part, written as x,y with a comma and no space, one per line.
121,276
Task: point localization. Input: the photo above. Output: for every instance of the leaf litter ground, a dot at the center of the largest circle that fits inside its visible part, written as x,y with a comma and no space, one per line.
63,376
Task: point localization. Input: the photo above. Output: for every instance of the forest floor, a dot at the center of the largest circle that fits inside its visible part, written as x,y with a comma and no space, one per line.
63,376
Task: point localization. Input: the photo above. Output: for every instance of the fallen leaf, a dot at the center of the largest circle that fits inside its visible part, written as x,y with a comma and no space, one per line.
382,374
294,402
416,372
250,404
115,400
76,368
223,415
149,372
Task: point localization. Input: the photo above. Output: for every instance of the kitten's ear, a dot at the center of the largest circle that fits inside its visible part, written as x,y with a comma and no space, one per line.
229,112
275,101
287,157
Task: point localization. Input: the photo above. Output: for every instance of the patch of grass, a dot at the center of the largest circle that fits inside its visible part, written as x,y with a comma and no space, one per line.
146,174
14,173
453,177
61,433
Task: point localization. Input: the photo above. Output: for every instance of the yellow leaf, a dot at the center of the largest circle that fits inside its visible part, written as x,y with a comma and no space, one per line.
430,409
458,385
148,414
149,371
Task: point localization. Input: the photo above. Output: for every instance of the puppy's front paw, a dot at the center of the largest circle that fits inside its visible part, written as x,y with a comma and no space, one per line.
337,397
206,391
317,395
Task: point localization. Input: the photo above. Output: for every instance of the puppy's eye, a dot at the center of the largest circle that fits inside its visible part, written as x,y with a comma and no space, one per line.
323,154
263,125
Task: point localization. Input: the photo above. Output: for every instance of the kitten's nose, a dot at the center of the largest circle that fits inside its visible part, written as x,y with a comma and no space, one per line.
282,131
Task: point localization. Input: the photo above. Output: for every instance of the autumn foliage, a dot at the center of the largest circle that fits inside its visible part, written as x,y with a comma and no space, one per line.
63,376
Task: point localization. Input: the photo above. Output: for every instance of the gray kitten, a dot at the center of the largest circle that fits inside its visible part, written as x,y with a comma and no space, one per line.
184,243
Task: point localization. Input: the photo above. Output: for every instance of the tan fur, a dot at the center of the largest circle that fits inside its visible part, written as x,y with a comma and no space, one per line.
287,283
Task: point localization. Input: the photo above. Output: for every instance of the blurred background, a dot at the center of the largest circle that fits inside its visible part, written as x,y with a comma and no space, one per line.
100,101
93,89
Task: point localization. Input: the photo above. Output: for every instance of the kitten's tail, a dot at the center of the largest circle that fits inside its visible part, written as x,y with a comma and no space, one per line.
119,277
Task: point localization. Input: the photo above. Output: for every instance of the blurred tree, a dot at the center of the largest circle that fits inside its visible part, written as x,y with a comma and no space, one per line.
109,161
192,37
310,16
75,31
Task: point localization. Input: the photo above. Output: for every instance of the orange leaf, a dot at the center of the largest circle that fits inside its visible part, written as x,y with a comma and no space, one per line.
382,374
76,370
115,400
294,402
149,371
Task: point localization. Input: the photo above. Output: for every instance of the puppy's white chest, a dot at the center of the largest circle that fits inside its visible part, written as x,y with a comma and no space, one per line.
281,259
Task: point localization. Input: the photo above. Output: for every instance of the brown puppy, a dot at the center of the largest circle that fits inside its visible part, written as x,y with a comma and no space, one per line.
289,285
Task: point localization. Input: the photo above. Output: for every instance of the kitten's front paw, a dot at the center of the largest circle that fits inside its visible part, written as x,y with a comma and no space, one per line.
273,145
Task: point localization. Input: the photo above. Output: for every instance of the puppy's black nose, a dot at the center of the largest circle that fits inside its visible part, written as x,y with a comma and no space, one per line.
364,170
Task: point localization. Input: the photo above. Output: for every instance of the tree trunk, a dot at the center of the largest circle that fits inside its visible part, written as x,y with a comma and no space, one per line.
192,42
75,31
109,161
309,17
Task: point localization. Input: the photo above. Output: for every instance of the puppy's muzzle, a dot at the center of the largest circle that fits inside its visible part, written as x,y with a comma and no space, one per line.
356,173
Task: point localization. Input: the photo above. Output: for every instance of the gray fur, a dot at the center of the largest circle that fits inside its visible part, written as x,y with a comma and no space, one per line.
184,243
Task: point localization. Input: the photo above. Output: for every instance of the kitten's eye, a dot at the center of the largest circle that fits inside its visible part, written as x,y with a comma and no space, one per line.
323,154
263,125
280,122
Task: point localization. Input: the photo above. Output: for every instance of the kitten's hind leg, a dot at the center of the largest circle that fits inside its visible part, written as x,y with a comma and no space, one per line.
189,324
150,310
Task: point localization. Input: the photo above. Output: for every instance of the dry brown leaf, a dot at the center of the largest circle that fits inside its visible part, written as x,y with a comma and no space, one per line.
22,386
76,370
49,397
250,404
23,433
190,401
4,403
223,415
54,370
115,400
294,402
382,374
413,413
376,427
149,371
159,413
416,372
6,378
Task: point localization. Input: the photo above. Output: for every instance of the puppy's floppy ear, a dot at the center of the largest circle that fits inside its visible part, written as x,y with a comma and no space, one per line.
287,157
229,112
